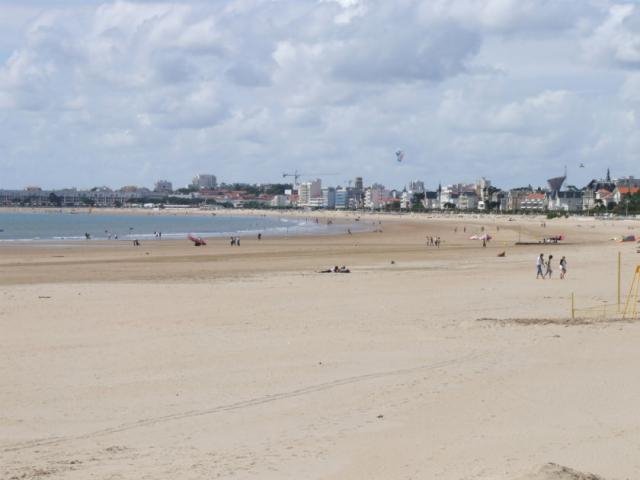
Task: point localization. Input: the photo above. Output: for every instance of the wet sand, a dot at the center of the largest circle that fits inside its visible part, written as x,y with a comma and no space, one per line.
169,360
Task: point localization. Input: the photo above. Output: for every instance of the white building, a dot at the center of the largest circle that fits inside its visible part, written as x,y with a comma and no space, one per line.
163,186
205,180
468,201
316,202
536,201
623,191
483,189
405,200
308,191
374,197
280,201
569,201
342,198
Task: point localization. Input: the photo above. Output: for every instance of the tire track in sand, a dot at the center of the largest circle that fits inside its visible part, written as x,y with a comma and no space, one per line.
274,397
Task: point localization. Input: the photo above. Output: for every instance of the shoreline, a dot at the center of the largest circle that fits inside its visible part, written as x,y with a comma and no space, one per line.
301,226
356,221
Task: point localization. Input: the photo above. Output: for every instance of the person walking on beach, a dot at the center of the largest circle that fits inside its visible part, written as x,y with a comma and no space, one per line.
563,267
549,270
539,265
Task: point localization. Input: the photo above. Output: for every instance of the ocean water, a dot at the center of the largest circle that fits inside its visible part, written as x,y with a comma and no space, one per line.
61,226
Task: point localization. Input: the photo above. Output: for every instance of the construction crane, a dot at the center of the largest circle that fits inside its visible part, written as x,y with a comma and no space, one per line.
296,175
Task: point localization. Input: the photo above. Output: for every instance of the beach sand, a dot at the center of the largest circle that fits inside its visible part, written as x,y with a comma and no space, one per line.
171,361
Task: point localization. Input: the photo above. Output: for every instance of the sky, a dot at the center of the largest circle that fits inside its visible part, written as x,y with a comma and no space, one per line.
129,92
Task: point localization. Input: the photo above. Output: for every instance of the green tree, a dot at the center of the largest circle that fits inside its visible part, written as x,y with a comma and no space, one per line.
277,188
393,206
630,204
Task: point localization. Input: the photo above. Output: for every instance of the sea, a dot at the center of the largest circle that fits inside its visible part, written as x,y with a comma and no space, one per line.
74,226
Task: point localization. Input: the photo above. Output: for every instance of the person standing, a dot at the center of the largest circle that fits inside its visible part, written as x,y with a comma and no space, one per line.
539,265
563,267
549,270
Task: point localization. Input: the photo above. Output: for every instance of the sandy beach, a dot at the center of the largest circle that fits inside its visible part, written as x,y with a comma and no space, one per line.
171,361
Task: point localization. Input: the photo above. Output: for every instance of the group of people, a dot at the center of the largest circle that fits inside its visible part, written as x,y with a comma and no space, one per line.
433,241
158,235
544,268
235,241
336,269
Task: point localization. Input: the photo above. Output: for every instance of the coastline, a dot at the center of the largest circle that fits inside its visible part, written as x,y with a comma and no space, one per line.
173,230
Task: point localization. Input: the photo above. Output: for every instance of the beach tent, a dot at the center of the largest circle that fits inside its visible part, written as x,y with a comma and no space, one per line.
197,241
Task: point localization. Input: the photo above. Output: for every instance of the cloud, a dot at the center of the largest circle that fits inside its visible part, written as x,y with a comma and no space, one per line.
630,90
519,17
248,75
616,41
410,54
247,89
544,111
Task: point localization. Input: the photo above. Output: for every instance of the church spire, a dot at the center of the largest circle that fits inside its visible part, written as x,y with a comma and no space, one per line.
608,175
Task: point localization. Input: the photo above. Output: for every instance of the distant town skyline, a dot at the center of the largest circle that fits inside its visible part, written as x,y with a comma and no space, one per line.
129,92
211,181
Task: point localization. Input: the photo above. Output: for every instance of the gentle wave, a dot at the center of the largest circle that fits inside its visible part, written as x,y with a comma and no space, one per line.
60,227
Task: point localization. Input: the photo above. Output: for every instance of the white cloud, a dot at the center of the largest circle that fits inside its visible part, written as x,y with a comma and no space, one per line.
247,89
617,39
508,16
631,88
